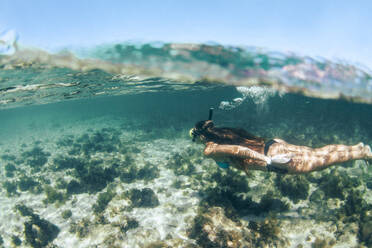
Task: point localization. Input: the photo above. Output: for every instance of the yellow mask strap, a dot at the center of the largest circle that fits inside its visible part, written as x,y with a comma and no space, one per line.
191,132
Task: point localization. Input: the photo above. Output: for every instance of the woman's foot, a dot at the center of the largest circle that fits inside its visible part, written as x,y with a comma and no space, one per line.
360,145
368,152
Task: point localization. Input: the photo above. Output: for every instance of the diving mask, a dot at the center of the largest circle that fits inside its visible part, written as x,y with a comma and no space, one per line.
193,134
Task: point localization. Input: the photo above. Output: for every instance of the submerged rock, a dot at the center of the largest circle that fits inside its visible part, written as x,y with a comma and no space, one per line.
53,196
356,210
95,178
317,197
336,184
66,214
9,170
36,158
270,204
90,175
26,183
147,173
81,228
64,162
267,232
74,187
365,233
126,223
214,229
24,210
145,198
16,241
8,157
294,186
181,164
322,243
230,192
105,140
102,201
128,175
10,188
38,232
369,184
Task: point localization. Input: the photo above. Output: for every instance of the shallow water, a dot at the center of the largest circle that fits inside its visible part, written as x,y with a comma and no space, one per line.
118,169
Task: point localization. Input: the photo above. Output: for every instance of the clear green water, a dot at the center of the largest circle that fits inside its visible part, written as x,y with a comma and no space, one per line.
106,161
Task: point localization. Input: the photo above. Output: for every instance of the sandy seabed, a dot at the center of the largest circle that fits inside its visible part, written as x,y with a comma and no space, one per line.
148,188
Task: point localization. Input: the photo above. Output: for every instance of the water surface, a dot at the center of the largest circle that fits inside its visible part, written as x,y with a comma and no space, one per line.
94,148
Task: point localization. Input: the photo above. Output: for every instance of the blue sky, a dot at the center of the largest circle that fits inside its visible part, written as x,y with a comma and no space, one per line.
332,29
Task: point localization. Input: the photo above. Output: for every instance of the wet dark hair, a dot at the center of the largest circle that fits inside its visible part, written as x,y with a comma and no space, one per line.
227,135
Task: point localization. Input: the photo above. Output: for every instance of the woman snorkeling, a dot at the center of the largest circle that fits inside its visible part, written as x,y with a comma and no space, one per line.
235,147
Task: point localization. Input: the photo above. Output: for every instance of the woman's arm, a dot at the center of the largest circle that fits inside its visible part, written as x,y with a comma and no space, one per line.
213,149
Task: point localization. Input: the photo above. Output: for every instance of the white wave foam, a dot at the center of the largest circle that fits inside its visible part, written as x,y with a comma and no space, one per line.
259,95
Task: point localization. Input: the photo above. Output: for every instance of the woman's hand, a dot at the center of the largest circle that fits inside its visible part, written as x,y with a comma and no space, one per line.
278,163
281,158
268,160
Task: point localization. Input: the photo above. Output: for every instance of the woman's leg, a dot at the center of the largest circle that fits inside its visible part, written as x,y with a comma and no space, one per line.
333,154
305,159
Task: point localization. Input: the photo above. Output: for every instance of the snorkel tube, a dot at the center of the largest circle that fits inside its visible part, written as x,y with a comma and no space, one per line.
210,114
193,132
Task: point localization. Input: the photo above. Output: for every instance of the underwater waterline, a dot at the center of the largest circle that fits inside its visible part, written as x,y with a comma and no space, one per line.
119,170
